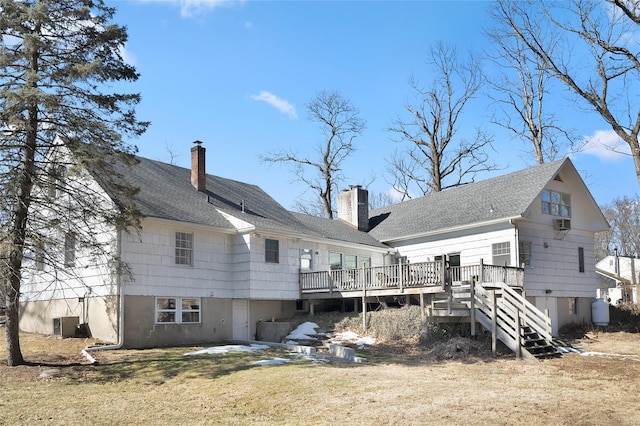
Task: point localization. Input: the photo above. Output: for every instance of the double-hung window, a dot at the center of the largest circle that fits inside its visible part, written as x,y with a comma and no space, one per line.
177,310
524,253
335,260
306,259
271,251
556,203
39,256
69,250
501,253
184,248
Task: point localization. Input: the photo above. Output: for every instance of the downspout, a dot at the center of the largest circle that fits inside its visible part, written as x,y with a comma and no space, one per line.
120,294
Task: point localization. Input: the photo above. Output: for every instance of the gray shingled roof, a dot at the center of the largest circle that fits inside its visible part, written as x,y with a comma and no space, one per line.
165,192
502,197
337,230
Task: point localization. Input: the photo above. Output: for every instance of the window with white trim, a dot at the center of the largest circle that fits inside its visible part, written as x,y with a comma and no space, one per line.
350,261
57,176
501,253
177,310
184,248
335,260
524,253
69,250
556,203
271,251
306,259
39,256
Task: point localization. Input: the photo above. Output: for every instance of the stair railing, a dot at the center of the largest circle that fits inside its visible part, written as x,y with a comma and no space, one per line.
504,312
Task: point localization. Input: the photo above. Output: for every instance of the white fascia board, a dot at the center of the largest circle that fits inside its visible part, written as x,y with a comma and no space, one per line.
180,223
320,240
507,220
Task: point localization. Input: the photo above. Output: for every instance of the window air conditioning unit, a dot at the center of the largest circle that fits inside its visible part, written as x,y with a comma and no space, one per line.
562,224
65,326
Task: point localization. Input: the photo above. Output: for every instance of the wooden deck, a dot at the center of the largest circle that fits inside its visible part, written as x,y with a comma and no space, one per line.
401,279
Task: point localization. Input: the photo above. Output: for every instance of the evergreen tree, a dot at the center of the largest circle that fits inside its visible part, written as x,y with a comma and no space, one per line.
57,59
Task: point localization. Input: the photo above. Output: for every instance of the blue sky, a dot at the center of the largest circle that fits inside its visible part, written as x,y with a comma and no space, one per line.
238,76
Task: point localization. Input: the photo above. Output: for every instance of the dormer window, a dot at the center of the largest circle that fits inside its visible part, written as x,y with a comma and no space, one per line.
556,203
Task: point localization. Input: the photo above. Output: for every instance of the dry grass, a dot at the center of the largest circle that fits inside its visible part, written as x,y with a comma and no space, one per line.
163,386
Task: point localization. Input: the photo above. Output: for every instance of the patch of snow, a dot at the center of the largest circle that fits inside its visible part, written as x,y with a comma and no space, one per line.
229,348
303,331
312,358
606,355
351,337
274,361
568,349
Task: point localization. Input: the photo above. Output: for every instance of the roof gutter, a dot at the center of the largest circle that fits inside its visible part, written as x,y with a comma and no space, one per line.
508,220
120,293
321,240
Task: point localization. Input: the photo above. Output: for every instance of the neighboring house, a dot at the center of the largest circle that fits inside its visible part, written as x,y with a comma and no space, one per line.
216,256
623,272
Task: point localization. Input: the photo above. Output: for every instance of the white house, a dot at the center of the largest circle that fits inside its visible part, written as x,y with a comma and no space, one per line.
542,218
216,256
623,273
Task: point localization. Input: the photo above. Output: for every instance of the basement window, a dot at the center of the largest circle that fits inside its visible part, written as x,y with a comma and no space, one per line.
177,310
573,306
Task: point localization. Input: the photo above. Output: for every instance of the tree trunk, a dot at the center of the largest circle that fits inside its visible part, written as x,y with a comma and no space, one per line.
14,354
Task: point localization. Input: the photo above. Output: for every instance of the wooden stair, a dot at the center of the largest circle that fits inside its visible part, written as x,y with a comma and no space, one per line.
455,302
509,317
537,346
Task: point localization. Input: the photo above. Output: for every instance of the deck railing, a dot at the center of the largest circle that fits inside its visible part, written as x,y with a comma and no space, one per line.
422,274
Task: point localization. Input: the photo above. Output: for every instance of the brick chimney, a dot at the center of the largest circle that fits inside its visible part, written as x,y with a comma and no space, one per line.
198,172
353,207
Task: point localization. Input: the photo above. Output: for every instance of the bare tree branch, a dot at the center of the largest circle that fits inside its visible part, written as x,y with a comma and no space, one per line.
340,123
436,158
605,73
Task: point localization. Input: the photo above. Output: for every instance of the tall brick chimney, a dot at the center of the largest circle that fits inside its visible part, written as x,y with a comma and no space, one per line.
198,172
353,207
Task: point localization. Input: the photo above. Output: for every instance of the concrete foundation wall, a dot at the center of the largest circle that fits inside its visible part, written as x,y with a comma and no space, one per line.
583,314
141,331
99,313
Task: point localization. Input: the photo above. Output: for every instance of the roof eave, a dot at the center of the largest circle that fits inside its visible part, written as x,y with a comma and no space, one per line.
318,240
452,229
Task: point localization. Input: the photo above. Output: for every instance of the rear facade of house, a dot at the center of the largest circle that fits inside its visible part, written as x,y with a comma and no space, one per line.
214,257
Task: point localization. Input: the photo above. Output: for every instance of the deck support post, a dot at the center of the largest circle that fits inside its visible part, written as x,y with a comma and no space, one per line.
518,337
494,324
472,306
312,308
422,313
364,307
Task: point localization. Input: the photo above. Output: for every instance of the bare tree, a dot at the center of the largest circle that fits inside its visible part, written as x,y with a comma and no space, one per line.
56,60
623,214
520,89
436,157
339,122
590,46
